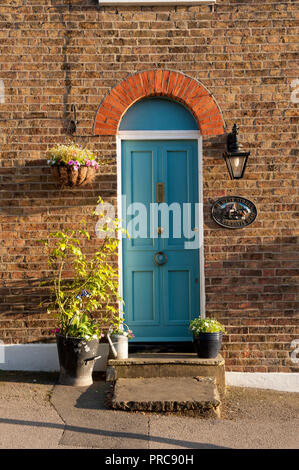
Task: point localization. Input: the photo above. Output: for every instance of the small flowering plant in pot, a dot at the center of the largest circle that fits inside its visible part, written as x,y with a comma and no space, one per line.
207,336
72,165
118,336
75,301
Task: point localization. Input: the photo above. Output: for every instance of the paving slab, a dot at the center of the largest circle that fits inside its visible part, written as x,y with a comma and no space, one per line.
185,432
88,423
35,413
170,394
27,418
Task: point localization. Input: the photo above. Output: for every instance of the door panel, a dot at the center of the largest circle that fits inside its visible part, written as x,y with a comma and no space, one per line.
144,292
140,168
159,300
177,190
178,306
181,187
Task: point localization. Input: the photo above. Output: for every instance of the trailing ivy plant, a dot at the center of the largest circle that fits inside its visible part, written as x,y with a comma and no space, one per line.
93,285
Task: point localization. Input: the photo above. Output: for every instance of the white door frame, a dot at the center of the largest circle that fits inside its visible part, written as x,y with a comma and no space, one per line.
163,135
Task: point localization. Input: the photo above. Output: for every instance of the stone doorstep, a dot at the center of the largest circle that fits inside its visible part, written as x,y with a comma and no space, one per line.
146,365
167,394
166,358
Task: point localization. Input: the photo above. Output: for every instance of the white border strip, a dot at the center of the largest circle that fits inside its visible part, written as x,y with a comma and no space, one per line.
156,135
281,381
44,358
41,357
155,2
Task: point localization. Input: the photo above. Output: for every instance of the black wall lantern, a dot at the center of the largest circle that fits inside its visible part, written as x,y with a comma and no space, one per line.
234,156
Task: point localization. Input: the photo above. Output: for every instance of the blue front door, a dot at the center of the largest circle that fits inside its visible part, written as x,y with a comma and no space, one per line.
160,273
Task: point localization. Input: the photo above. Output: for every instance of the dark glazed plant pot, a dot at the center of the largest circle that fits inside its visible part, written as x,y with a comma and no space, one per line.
207,345
76,358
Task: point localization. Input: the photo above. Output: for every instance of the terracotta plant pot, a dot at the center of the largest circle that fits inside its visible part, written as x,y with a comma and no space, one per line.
68,176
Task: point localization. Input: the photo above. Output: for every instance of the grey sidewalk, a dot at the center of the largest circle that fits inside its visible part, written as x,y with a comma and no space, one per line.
44,415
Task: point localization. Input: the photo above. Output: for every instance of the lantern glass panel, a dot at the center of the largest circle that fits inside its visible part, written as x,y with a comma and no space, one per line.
237,165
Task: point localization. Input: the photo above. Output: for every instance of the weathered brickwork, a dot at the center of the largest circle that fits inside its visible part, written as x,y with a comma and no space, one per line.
57,53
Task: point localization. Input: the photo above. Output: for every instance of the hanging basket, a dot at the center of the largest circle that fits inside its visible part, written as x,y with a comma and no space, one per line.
68,176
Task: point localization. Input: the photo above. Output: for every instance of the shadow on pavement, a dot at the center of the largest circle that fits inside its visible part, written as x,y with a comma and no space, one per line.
94,397
18,376
113,434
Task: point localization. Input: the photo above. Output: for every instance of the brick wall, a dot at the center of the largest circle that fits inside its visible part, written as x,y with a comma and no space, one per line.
57,53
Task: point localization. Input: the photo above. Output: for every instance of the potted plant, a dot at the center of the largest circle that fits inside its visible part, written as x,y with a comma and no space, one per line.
118,337
72,165
75,300
207,336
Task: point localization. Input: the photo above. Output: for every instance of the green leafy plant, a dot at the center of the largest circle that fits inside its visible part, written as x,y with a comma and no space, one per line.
205,325
118,327
93,285
72,155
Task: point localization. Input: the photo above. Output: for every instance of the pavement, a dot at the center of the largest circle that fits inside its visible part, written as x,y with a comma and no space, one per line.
35,413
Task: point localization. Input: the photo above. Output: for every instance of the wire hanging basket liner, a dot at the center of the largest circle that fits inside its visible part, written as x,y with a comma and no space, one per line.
68,176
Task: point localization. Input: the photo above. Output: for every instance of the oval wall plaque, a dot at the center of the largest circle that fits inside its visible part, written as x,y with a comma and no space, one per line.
233,212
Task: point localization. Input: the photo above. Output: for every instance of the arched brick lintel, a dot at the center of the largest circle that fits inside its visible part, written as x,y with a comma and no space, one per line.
175,85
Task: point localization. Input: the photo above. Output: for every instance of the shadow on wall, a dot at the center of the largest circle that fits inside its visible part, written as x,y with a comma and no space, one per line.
30,189
252,291
21,314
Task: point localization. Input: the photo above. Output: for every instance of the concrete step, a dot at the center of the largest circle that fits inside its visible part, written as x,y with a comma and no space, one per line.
167,394
148,365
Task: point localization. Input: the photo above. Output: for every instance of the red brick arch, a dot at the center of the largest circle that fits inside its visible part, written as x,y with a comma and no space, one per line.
174,85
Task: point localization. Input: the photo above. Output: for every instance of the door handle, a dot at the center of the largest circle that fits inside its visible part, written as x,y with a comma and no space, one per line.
160,258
